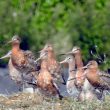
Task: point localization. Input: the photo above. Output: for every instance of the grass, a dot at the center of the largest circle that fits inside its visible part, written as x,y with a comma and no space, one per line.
26,101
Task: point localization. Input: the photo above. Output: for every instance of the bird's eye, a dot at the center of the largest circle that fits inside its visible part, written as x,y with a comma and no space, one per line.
48,45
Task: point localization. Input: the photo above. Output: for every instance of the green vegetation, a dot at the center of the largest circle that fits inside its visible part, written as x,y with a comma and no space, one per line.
65,23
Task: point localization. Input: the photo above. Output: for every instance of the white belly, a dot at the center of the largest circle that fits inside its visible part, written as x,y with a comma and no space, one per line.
71,88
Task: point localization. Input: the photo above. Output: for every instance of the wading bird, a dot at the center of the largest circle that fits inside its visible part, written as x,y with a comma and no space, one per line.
84,87
23,61
76,51
98,79
45,80
13,72
53,66
70,84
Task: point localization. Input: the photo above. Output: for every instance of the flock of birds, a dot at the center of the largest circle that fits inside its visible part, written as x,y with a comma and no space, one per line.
44,73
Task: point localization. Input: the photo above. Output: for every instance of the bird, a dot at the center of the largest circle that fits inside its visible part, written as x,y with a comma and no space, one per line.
98,79
70,84
83,86
23,61
76,51
13,72
45,80
88,92
54,66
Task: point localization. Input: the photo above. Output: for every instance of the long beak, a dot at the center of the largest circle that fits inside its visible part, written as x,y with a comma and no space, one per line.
41,51
9,42
37,59
61,54
62,62
73,70
85,67
5,56
69,53
40,57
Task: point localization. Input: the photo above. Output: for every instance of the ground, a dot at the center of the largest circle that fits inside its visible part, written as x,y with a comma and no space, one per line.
26,101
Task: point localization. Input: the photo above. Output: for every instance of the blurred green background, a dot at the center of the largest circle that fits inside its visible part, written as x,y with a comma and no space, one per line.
64,23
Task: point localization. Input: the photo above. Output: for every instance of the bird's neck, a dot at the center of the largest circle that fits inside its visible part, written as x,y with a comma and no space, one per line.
44,65
15,47
51,55
51,58
94,70
78,60
71,69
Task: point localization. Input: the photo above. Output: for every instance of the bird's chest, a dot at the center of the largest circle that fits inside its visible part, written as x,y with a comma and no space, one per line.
53,69
93,79
44,78
71,89
18,59
51,65
70,83
79,74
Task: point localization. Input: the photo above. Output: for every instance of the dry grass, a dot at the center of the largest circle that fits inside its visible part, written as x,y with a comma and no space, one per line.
26,101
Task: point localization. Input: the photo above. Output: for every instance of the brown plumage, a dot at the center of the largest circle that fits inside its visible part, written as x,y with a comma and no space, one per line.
87,92
76,51
53,66
97,78
84,87
45,80
13,72
23,61
16,75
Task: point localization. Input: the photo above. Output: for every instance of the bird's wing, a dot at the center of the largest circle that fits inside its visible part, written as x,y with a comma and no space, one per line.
31,60
30,55
105,78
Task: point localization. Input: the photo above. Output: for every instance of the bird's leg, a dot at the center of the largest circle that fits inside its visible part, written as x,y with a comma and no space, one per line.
64,81
23,82
60,96
20,85
102,95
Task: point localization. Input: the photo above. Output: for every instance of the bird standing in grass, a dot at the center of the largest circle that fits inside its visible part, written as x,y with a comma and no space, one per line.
54,66
83,86
13,72
23,61
70,84
45,80
97,78
76,51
